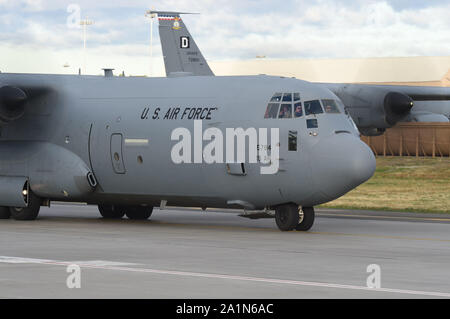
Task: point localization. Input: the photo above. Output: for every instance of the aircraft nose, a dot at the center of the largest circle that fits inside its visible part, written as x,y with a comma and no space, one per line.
341,163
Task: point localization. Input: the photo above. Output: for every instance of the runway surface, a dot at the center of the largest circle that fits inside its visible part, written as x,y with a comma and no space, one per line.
186,253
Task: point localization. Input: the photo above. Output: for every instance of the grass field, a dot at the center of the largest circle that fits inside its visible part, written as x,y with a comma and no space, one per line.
403,184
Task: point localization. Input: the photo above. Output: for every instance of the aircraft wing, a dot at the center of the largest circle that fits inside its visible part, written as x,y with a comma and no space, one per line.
417,93
181,53
421,93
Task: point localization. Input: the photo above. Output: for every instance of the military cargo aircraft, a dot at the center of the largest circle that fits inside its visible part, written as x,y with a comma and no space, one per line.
128,144
374,108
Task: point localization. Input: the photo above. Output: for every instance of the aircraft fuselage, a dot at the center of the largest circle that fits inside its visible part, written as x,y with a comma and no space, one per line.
119,129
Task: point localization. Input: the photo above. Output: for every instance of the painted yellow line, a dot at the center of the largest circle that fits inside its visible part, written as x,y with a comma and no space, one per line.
319,214
386,217
380,236
274,230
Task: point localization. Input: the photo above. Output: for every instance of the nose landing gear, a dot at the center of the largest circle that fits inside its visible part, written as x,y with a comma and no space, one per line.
307,216
289,217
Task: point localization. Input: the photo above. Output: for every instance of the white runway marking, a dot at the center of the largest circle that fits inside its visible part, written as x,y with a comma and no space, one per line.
89,263
20,260
115,266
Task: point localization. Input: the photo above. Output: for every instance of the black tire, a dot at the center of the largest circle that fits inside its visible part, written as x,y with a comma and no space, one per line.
138,212
287,217
111,211
27,213
5,213
307,220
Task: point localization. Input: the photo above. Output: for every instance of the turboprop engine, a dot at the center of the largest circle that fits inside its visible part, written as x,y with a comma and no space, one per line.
375,109
12,103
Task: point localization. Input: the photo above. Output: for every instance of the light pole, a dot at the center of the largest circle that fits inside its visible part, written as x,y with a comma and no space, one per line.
151,15
85,23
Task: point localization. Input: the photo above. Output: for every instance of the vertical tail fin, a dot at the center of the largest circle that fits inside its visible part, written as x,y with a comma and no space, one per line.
180,51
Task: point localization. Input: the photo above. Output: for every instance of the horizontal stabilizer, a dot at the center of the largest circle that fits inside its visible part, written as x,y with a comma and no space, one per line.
168,13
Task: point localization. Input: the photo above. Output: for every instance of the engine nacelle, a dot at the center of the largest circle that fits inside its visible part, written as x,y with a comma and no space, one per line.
14,191
374,109
12,103
51,172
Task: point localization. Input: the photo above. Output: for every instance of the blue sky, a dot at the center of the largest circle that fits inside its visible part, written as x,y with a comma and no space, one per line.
35,37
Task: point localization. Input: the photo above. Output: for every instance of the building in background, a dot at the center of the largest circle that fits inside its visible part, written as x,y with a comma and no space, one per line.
433,71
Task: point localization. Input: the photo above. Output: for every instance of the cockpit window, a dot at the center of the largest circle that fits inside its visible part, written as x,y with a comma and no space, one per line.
276,97
313,107
287,97
272,111
285,111
298,110
285,106
330,107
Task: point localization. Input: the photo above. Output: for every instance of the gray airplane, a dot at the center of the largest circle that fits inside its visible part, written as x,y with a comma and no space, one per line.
374,108
114,142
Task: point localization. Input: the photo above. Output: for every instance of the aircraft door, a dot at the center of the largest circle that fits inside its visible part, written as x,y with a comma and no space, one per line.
117,154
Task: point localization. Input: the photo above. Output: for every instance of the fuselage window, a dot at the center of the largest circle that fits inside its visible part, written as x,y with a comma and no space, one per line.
312,123
330,107
285,111
292,141
296,97
287,97
276,97
272,111
313,107
298,110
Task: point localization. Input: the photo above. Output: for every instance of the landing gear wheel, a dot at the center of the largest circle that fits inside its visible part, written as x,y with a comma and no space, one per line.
5,213
27,213
138,212
287,217
111,211
306,219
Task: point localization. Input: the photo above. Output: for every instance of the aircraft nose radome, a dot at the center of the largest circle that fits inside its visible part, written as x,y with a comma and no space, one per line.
341,163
